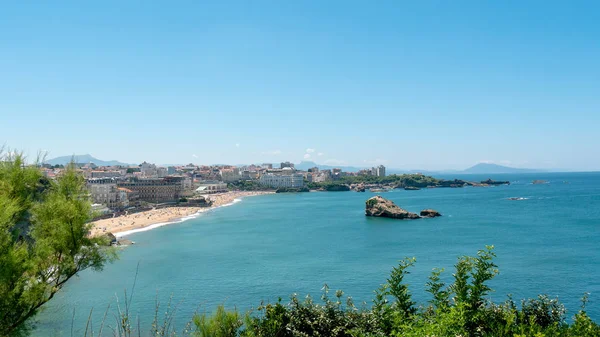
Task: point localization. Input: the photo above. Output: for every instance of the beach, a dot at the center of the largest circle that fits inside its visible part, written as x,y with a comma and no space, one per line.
154,218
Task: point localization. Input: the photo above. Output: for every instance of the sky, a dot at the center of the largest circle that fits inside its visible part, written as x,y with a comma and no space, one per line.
407,84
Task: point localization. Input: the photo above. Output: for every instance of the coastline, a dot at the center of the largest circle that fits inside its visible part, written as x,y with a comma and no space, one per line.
143,221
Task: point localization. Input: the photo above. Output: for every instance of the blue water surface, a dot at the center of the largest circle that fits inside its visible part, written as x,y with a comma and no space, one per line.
271,246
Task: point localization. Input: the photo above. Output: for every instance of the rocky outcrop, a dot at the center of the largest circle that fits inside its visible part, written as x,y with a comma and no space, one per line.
430,213
110,238
411,188
452,183
292,190
337,188
380,207
495,182
125,242
539,182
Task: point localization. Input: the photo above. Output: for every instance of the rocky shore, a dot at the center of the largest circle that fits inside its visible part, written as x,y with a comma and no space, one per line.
378,206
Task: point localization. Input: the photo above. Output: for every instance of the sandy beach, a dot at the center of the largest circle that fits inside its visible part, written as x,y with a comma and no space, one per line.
165,215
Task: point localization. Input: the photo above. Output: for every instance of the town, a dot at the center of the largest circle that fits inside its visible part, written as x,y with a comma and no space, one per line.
118,189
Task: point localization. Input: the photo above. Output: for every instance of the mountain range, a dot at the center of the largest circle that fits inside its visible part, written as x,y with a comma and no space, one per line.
481,168
484,168
83,159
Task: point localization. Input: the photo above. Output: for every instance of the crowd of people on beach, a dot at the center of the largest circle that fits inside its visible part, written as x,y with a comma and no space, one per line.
143,219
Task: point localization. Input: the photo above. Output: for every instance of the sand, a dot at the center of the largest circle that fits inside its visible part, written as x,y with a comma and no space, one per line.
165,215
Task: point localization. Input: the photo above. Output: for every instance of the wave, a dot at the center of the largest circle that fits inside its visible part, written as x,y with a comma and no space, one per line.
517,198
180,220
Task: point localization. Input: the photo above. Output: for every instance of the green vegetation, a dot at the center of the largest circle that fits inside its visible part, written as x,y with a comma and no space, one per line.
399,180
43,238
330,186
457,309
248,185
461,308
292,190
402,180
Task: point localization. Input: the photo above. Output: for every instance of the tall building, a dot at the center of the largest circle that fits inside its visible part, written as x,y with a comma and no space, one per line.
149,170
294,180
156,190
380,171
104,191
230,175
286,164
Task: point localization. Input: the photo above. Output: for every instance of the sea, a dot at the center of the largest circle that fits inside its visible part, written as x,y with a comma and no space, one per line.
265,248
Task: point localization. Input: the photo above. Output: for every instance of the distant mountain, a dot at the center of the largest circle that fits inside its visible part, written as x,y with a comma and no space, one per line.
83,159
305,165
484,168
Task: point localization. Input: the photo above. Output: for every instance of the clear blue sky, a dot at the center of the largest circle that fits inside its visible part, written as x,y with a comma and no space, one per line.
411,84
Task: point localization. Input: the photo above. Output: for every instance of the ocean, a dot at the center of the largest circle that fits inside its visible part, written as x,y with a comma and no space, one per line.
268,247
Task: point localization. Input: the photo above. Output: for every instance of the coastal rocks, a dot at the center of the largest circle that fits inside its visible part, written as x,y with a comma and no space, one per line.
430,213
452,183
411,188
125,242
110,238
539,182
495,182
292,190
358,188
378,206
337,188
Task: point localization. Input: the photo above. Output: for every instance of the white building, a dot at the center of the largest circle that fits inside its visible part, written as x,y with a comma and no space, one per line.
230,175
104,174
209,187
380,171
162,172
294,180
149,170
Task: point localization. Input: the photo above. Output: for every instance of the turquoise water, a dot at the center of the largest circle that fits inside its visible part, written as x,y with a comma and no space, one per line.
271,246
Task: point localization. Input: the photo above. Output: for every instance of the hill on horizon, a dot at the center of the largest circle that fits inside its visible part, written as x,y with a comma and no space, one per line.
483,168
305,165
83,159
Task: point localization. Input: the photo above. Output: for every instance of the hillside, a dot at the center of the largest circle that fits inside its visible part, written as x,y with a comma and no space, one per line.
484,168
84,158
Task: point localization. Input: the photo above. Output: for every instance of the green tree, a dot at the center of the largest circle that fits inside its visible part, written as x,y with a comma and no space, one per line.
44,238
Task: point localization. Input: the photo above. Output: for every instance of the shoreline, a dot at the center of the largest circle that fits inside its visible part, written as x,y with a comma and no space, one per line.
143,221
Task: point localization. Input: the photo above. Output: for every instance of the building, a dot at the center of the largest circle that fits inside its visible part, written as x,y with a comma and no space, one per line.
171,170
133,197
250,175
149,170
156,190
162,172
105,194
104,174
267,166
380,171
286,164
230,175
210,187
294,180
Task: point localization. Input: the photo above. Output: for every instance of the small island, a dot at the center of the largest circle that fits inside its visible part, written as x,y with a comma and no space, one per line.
378,206
495,182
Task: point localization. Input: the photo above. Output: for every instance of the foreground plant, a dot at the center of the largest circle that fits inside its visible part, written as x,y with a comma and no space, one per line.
43,238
